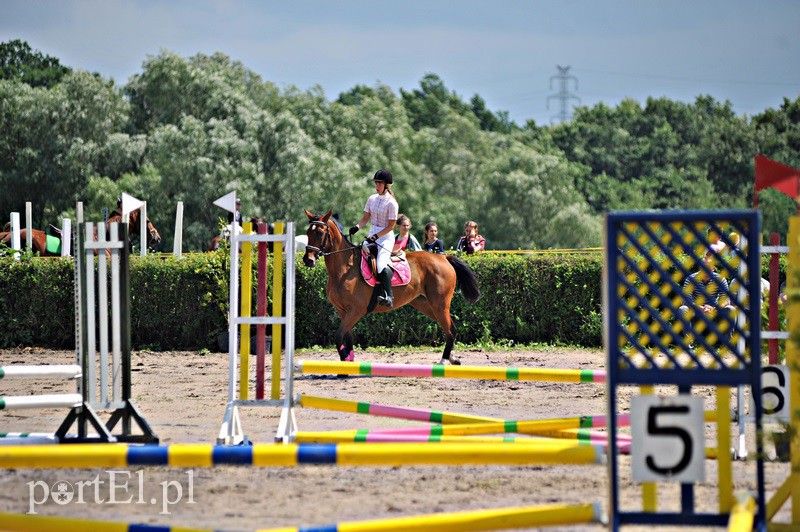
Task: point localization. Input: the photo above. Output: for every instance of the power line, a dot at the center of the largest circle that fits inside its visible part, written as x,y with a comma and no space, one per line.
692,79
563,94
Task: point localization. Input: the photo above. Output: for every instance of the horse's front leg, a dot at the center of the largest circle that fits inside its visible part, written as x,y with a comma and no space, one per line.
344,336
344,345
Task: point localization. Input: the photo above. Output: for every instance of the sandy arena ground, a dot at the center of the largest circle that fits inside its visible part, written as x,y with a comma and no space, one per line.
183,396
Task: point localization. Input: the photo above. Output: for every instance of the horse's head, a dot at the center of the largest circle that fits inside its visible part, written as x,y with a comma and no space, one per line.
321,234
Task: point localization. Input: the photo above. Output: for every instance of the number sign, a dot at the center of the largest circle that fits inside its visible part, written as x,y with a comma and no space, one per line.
668,440
774,393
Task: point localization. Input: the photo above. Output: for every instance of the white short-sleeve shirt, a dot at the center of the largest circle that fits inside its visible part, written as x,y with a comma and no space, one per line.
381,209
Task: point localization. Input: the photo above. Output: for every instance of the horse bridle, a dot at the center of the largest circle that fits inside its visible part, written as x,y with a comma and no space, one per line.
320,251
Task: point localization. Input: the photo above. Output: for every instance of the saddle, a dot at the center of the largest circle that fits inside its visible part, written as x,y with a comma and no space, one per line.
402,272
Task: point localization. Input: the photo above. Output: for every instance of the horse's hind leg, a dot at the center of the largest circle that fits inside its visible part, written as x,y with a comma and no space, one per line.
445,321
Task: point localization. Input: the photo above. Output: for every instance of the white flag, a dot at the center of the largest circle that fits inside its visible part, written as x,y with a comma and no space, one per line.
130,204
227,202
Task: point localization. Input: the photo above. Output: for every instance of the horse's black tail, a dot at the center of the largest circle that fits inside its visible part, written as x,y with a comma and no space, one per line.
466,281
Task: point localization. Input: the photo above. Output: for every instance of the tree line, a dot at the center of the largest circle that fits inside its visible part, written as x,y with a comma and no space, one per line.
192,129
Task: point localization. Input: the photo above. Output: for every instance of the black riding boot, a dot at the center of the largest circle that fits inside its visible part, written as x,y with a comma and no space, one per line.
385,278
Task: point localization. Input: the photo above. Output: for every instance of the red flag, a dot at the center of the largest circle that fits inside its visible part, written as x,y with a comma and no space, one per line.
772,174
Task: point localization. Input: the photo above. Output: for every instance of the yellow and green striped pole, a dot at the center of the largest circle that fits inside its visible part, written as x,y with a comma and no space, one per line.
375,369
346,436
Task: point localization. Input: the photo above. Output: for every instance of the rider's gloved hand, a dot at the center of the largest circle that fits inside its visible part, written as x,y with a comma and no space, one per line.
353,230
372,239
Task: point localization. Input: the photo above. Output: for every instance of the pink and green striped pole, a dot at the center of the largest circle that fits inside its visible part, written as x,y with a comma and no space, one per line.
375,369
397,412
442,417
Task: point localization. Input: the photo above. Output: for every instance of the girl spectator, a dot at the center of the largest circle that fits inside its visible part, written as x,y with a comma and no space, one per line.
405,241
471,241
432,242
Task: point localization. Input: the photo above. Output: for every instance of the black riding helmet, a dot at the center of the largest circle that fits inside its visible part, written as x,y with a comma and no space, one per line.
384,176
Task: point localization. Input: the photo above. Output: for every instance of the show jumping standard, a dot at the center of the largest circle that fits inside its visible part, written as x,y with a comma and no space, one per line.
434,279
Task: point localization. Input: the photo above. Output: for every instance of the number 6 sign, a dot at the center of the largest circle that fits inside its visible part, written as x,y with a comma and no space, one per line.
774,394
668,439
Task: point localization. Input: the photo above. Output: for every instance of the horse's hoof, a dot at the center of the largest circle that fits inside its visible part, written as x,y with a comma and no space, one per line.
455,361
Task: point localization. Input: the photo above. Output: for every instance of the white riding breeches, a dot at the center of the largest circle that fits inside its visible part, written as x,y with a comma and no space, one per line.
385,245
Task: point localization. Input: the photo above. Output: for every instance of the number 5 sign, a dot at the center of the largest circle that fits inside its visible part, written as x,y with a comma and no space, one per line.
668,439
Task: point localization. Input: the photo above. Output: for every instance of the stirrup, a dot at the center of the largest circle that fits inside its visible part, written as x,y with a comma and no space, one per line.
386,301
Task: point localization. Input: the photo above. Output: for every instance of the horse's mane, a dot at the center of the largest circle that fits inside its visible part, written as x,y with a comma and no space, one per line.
333,228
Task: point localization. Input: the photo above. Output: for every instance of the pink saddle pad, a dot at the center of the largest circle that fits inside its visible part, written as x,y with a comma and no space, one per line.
402,273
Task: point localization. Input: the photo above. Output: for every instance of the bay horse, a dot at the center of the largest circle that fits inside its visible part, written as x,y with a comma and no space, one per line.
134,227
38,241
434,280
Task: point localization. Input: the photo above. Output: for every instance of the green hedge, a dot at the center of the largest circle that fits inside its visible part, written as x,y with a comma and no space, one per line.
183,303
174,303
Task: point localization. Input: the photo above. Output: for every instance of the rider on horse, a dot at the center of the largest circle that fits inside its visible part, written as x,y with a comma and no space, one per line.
381,211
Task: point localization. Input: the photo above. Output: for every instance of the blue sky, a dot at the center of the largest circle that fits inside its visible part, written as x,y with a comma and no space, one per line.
747,52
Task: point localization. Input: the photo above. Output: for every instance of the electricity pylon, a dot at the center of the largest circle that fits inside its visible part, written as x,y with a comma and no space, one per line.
563,93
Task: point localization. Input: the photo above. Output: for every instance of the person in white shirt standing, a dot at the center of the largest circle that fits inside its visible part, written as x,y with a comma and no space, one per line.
381,212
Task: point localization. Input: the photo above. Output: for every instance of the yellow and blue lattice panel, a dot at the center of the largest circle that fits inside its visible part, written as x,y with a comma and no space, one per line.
683,292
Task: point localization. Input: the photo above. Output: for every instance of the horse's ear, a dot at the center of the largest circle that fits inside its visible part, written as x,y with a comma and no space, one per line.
327,216
310,215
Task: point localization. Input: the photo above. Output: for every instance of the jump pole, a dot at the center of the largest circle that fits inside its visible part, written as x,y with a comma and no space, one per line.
55,371
472,520
261,329
419,414
375,369
277,307
245,312
397,412
28,438
533,426
790,489
346,436
177,245
291,455
15,233
29,226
